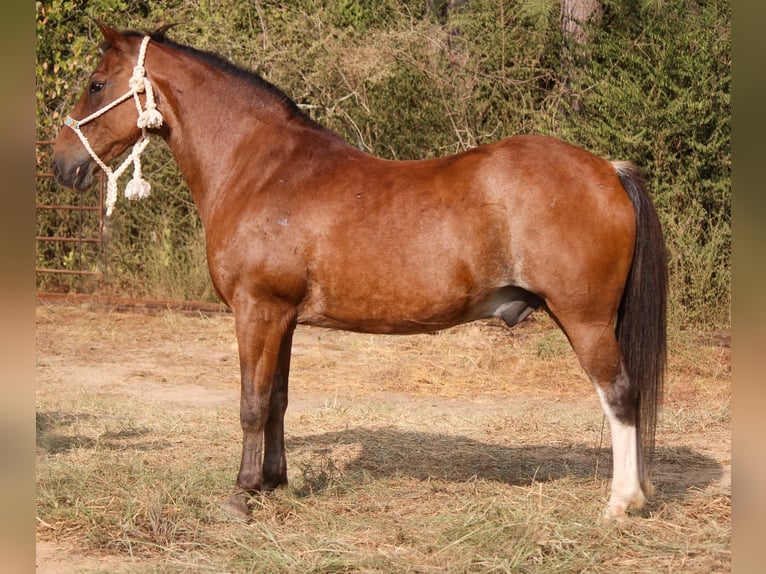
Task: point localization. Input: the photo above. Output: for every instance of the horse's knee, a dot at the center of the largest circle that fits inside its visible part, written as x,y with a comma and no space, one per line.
251,420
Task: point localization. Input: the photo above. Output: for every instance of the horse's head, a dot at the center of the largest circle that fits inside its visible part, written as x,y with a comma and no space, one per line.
105,116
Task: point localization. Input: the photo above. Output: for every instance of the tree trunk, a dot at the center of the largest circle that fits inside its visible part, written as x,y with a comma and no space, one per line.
576,15
576,18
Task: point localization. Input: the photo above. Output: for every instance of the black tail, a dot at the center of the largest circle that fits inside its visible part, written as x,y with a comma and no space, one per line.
641,320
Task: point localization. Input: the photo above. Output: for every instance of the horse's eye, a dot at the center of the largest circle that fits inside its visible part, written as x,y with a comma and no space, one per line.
96,87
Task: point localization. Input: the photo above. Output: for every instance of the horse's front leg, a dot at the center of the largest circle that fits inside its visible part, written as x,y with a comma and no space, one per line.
264,332
274,458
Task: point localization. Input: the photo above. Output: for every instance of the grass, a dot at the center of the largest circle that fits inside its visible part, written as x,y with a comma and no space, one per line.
390,478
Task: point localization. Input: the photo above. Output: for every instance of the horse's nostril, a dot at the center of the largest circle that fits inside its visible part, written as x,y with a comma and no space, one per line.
74,175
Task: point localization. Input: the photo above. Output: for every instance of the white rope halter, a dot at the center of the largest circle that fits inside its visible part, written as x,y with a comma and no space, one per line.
150,117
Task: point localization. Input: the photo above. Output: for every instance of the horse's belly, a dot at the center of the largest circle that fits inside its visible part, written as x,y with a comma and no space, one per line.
416,311
379,314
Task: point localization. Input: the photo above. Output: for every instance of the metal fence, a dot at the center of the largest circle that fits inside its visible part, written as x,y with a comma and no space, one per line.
70,237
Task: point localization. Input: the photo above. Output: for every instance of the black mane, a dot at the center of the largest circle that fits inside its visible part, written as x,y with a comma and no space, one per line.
227,66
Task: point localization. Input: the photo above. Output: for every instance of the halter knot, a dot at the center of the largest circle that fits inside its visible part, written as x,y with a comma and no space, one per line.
151,116
148,117
137,83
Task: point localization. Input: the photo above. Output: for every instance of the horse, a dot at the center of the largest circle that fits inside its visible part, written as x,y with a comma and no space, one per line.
302,227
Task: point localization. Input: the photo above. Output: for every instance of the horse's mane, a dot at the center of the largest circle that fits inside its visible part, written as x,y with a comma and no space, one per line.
227,66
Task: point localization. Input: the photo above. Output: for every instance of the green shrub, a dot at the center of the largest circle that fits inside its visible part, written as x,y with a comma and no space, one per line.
423,79
657,92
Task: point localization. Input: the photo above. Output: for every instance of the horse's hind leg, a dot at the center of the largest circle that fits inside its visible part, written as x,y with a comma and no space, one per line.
596,347
619,401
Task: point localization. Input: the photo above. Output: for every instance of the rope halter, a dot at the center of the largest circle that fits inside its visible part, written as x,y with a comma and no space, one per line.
150,117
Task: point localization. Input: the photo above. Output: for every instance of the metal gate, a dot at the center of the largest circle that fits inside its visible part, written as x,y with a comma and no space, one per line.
70,241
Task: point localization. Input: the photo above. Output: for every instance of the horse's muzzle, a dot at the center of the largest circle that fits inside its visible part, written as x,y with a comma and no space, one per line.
73,174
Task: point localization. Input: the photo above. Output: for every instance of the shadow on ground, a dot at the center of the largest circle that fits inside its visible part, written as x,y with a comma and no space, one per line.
390,452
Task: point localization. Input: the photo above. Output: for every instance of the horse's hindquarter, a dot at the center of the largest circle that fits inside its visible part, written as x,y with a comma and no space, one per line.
572,224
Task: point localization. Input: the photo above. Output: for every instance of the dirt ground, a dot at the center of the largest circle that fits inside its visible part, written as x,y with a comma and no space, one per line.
187,360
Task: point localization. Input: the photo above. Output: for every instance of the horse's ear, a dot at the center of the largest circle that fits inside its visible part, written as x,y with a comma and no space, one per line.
112,38
160,33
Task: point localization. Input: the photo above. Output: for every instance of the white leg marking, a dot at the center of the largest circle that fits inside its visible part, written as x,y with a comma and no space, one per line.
626,488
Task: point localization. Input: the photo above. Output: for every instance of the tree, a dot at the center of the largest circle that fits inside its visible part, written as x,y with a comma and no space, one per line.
577,19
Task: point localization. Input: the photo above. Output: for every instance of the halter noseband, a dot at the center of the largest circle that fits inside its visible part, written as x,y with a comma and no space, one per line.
150,117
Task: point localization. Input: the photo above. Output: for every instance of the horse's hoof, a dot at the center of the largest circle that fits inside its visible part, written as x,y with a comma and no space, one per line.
236,507
612,515
272,485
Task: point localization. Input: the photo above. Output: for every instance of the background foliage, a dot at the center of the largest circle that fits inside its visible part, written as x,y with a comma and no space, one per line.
422,79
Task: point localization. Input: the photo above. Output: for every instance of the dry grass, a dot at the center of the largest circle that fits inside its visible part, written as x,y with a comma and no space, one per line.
473,450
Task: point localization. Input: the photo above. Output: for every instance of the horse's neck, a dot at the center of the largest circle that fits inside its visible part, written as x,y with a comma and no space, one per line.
215,126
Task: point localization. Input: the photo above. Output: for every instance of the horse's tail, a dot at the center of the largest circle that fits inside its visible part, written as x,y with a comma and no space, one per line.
641,319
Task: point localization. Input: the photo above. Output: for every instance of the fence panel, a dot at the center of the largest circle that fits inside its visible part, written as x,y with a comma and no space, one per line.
70,240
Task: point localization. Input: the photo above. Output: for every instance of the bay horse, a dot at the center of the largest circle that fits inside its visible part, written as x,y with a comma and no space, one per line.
304,228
